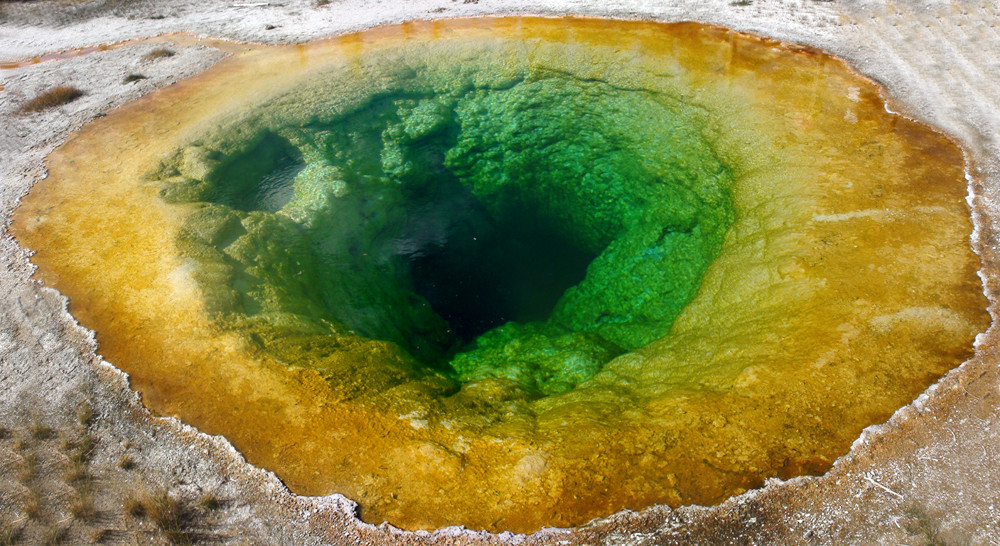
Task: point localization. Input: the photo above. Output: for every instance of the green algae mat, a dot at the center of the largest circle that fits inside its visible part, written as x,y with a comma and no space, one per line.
513,273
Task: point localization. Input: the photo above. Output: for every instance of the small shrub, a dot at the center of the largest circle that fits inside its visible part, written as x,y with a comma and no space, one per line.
84,413
133,507
209,500
98,536
134,78
176,536
76,473
55,535
32,505
741,3
83,450
126,462
159,53
166,512
9,535
39,431
4,433
57,96
79,455
920,524
82,507
29,467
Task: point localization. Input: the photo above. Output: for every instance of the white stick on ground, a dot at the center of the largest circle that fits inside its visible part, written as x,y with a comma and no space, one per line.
882,487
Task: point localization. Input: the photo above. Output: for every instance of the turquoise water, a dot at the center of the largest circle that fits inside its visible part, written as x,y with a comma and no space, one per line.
532,231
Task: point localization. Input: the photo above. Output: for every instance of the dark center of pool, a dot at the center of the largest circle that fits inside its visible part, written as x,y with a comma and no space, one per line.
532,231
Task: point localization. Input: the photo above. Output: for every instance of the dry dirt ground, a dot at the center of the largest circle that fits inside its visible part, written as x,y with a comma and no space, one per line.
82,461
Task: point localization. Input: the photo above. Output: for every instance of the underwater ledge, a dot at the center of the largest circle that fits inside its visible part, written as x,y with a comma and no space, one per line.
826,217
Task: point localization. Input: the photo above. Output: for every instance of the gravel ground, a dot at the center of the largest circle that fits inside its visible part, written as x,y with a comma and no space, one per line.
71,429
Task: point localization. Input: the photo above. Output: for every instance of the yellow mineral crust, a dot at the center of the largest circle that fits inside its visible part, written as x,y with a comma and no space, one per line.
845,287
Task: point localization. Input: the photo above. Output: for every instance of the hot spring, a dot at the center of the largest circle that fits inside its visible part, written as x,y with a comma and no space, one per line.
519,272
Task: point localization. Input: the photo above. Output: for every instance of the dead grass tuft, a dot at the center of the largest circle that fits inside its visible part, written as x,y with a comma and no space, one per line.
921,525
57,96
86,445
82,450
76,474
4,433
97,536
133,507
166,512
159,53
39,431
32,505
84,413
55,535
209,500
9,535
126,462
29,467
134,78
79,455
82,507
